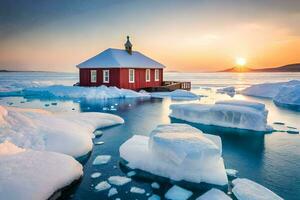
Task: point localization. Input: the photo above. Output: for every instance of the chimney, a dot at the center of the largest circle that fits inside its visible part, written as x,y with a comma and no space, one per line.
128,46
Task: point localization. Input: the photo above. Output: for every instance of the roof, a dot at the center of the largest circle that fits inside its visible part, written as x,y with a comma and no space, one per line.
118,58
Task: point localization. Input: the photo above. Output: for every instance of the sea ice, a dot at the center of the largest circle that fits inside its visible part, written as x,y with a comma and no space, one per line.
245,189
131,173
232,114
155,185
112,192
42,130
176,95
179,152
101,159
214,194
103,185
232,172
137,190
178,193
154,197
30,174
288,97
95,175
118,180
227,90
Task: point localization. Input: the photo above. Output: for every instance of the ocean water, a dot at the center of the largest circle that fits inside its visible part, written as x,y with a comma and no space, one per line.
272,160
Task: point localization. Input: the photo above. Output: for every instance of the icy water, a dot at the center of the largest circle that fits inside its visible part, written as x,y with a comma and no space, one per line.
272,160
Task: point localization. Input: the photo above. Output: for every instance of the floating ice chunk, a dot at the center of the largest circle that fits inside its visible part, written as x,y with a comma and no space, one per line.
232,114
288,97
137,190
99,143
112,192
77,92
178,193
214,194
245,189
131,173
103,185
118,180
185,154
227,90
154,197
102,159
95,175
155,185
267,90
29,174
232,172
98,133
29,128
177,94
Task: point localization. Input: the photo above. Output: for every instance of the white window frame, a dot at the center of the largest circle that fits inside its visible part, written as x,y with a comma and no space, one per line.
156,75
106,76
93,77
133,75
148,75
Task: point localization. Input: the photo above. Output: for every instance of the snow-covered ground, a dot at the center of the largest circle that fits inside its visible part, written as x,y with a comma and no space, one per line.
176,95
35,175
245,189
68,133
178,152
284,94
232,113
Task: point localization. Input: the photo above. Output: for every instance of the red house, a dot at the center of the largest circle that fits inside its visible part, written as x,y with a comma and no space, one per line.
121,68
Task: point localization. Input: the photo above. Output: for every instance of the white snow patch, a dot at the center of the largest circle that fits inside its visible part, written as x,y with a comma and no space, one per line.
95,175
77,92
178,193
233,114
245,189
103,185
176,95
118,180
137,190
155,185
214,194
112,192
101,159
30,174
178,152
42,130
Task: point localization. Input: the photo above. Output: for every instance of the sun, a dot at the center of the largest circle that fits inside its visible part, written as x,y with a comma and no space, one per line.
240,61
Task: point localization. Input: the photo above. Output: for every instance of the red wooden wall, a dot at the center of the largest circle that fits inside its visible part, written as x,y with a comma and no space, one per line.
119,77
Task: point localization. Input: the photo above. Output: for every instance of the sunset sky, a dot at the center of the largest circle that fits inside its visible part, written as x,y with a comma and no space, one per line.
203,35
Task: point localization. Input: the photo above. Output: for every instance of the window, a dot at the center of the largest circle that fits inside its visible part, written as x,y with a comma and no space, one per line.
93,76
156,75
131,75
105,76
148,75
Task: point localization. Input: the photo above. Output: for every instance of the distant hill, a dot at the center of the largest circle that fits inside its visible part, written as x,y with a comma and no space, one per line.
286,68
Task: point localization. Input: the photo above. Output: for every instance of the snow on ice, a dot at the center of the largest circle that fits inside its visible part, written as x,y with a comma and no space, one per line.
176,95
30,174
232,113
29,128
178,152
245,189
178,193
214,194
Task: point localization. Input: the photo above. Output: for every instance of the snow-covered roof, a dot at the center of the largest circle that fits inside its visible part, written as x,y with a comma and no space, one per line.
118,58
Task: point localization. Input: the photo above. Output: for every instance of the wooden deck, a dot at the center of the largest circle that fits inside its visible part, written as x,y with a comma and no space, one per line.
169,86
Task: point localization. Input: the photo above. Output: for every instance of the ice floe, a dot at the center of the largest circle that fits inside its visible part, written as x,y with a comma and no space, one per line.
112,192
179,152
154,197
30,174
95,175
118,180
232,172
68,133
232,114
214,194
137,190
155,185
103,185
101,159
288,97
245,189
178,193
176,95
131,173
77,92
227,90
